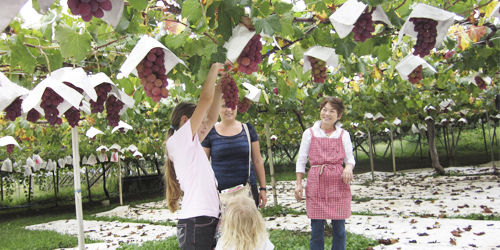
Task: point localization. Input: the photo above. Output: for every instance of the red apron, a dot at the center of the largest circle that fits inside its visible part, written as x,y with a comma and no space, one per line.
327,196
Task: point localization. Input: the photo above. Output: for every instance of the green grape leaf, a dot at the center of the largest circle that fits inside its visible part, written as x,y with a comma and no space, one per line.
345,47
138,4
73,44
270,25
281,8
20,54
220,55
194,64
287,25
192,10
395,19
175,41
383,53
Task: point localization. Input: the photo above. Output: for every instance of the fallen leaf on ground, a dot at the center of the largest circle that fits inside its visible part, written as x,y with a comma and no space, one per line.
468,228
479,234
423,234
453,242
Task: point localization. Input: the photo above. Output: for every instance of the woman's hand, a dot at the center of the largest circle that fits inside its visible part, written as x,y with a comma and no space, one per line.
298,192
262,198
347,175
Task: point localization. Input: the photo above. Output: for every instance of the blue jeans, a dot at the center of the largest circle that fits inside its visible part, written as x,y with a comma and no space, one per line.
197,233
317,241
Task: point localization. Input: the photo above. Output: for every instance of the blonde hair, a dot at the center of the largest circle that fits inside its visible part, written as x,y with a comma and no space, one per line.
243,227
173,190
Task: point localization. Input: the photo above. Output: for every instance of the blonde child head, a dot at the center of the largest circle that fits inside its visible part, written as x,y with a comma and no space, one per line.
242,225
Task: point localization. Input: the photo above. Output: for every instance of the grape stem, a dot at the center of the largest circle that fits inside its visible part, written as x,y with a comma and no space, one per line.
404,1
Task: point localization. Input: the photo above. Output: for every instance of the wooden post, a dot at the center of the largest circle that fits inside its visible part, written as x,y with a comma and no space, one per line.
393,155
120,180
371,154
491,141
271,166
1,184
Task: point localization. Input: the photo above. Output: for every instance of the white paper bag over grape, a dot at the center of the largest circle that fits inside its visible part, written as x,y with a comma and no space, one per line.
78,77
444,18
6,140
323,53
7,165
92,132
122,125
100,78
71,97
253,92
409,63
486,80
496,11
235,45
141,49
344,17
10,8
113,16
9,91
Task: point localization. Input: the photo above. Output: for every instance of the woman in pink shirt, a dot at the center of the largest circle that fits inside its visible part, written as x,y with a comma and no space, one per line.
188,170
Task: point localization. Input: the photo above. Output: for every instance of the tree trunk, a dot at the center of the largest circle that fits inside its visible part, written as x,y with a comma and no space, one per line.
431,130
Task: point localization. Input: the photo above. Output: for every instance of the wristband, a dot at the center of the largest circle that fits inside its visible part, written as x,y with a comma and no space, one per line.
263,188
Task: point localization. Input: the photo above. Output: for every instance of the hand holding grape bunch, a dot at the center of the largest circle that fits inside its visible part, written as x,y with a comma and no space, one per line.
229,91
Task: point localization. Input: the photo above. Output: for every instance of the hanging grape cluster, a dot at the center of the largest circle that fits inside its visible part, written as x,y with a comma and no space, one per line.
363,27
102,91
426,37
89,8
13,110
275,91
10,148
229,91
244,105
251,56
480,82
33,116
73,114
416,75
151,71
113,107
318,69
50,101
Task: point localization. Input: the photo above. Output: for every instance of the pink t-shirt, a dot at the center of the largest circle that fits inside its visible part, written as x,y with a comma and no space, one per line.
195,175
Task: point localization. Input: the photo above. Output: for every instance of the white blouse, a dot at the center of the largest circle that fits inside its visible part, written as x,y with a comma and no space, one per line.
318,132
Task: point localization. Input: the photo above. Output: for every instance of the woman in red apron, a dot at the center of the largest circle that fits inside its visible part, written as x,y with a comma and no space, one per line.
328,194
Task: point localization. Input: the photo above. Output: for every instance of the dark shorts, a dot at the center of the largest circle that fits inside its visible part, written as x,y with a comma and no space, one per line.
197,233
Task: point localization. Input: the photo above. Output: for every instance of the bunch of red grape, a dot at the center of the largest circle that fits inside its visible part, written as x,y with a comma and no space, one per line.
13,110
89,8
416,75
113,107
50,101
318,69
33,116
102,91
151,71
73,116
480,82
275,91
229,91
244,105
10,148
363,27
250,57
426,37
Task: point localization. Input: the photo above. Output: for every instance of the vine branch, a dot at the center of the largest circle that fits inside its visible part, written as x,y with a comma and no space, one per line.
290,44
404,1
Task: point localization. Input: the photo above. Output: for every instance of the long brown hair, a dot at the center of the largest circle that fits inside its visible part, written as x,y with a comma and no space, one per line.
173,187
